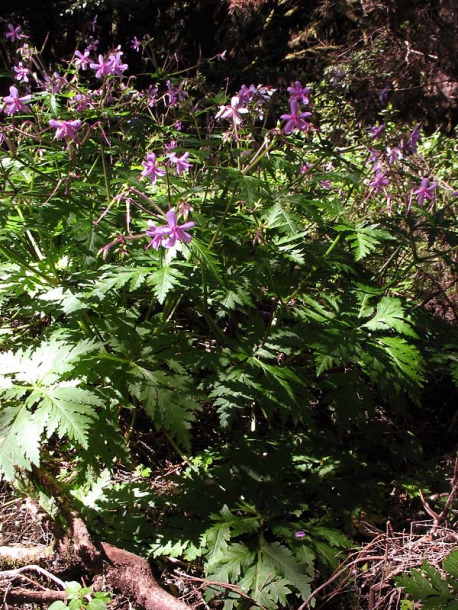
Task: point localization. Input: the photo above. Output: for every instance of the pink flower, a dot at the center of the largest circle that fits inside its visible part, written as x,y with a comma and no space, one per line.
379,182
135,44
151,168
65,129
16,103
176,94
14,33
425,190
168,235
55,82
295,120
233,111
376,131
182,164
22,72
116,67
246,93
82,61
103,68
299,93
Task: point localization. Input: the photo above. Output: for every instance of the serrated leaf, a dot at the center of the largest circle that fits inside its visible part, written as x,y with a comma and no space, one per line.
164,280
168,400
450,564
69,410
42,399
364,239
405,356
228,567
278,217
206,258
390,315
287,566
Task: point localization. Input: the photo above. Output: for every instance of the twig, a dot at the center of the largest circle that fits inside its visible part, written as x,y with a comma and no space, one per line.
338,574
11,574
226,585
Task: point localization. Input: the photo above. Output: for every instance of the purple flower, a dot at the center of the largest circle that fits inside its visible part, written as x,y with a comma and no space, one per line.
92,44
306,167
411,145
295,120
425,191
176,94
103,68
300,534
376,131
135,44
151,168
182,164
167,236
14,33
337,77
374,157
65,129
82,59
379,182
177,233
246,93
16,103
393,154
299,93
233,111
157,233
55,82
384,95
116,67
83,101
22,72
151,95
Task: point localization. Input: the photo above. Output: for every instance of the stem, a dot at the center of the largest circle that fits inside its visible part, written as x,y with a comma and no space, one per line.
105,175
260,154
221,222
333,245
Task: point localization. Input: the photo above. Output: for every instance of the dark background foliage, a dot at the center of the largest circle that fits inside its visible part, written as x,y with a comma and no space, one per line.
409,47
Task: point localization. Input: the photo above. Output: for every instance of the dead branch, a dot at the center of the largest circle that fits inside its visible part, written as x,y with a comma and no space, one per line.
132,575
17,556
12,574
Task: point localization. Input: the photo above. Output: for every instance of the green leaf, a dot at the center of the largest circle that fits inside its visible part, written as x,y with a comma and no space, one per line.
364,239
286,565
96,604
58,605
228,567
390,315
450,564
206,258
405,356
40,396
168,399
164,280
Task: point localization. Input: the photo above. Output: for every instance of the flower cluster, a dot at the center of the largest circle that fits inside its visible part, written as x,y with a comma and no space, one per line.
105,67
384,159
248,98
296,119
152,170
